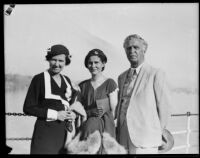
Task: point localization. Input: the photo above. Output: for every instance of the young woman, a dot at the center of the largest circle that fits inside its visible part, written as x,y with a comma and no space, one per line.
98,96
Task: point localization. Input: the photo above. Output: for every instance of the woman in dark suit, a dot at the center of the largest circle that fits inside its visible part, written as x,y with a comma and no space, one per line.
49,98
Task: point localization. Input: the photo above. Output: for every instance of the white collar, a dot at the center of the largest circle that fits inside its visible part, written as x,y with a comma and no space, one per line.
138,68
49,95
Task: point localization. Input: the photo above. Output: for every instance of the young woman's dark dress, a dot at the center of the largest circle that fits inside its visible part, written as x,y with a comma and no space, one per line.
48,136
88,98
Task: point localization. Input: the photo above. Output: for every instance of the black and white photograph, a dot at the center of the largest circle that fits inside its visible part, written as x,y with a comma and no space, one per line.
101,78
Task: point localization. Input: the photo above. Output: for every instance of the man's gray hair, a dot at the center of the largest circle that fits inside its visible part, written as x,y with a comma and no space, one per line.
135,36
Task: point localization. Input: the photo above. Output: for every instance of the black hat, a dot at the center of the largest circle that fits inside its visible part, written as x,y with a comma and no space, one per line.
57,50
167,140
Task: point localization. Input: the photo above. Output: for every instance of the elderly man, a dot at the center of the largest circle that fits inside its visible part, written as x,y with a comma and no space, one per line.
143,107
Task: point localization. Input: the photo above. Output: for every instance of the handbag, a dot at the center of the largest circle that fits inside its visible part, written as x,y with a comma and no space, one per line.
68,125
104,104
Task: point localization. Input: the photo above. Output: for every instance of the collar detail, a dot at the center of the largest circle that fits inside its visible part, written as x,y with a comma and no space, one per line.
49,95
138,68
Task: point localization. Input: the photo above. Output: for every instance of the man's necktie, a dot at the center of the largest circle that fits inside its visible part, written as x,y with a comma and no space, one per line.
130,81
132,74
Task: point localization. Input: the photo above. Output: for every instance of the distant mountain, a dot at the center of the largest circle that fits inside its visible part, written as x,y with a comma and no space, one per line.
16,82
32,46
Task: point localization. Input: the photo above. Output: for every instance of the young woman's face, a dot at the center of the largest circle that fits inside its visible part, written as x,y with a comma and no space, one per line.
95,65
57,63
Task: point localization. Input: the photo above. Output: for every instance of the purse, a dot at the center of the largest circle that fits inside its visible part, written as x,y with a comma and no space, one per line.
68,125
104,104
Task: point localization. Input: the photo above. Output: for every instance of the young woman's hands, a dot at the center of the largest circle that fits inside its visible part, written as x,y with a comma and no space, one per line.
96,112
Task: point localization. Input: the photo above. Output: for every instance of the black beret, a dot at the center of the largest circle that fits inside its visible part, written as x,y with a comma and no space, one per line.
57,50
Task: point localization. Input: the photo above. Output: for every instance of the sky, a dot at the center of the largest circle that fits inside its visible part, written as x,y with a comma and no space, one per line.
170,29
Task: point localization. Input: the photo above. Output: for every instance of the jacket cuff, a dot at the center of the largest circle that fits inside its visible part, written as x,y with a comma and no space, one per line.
52,115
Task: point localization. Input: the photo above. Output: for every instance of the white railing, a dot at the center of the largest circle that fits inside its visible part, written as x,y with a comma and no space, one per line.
187,131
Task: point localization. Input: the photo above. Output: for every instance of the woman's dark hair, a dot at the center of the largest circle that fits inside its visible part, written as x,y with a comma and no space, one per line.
96,52
57,50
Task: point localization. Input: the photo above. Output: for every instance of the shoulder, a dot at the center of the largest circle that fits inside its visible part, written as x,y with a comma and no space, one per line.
110,81
111,85
37,80
157,73
152,70
84,83
122,74
39,76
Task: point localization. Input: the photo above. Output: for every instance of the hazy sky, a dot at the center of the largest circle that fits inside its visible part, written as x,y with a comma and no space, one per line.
171,31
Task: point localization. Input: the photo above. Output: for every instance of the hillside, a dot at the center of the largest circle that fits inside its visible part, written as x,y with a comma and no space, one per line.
16,82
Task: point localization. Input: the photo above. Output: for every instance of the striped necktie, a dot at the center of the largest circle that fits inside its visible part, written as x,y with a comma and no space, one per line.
130,81
132,74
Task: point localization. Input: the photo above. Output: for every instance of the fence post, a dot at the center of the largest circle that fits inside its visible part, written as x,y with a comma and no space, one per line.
188,133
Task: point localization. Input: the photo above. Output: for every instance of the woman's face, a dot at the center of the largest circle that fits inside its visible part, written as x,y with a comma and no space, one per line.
57,63
95,65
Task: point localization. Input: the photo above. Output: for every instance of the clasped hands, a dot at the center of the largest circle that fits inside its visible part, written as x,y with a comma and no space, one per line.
66,115
95,112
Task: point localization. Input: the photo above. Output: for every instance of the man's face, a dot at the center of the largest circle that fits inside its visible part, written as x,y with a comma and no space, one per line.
135,51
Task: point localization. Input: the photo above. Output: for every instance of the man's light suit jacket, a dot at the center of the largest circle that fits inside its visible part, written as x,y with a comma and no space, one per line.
148,109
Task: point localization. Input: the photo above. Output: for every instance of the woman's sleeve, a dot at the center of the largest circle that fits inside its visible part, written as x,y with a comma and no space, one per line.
31,103
112,86
113,95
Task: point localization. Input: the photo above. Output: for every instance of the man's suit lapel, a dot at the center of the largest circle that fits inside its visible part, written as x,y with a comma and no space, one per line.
121,86
141,80
122,82
139,83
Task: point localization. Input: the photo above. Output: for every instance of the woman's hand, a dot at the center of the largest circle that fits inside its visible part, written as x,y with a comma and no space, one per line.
62,115
71,116
66,115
